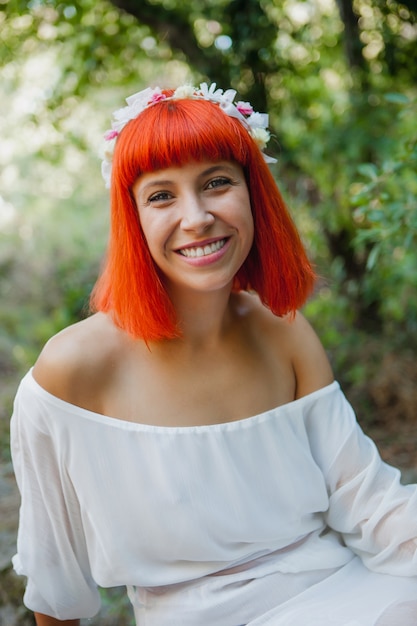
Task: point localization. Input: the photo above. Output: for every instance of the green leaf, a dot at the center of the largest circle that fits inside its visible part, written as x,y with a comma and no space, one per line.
369,170
397,98
373,257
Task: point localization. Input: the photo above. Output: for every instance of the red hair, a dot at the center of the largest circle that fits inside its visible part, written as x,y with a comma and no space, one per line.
171,133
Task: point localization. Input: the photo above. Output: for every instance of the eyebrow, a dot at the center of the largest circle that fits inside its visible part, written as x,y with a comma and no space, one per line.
159,182
218,166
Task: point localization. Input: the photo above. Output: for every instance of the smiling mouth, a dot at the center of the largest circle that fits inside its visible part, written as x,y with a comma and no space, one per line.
200,251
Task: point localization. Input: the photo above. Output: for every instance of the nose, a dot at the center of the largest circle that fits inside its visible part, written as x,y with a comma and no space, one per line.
195,214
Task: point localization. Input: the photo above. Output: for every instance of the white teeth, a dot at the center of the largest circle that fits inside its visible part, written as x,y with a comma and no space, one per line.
208,249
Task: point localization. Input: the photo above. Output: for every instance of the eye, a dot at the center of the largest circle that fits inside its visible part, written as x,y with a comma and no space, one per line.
219,181
160,196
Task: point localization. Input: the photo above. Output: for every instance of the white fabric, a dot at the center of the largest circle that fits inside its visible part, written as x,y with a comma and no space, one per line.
224,524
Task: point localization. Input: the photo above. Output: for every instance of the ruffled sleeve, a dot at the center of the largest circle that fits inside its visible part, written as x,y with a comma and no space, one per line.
374,512
52,552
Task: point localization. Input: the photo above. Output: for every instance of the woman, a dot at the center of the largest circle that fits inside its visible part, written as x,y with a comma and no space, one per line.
188,439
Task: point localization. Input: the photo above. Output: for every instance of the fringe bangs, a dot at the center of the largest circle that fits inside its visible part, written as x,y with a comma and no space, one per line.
172,133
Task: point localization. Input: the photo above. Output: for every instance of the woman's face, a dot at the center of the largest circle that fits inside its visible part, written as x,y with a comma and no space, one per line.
197,221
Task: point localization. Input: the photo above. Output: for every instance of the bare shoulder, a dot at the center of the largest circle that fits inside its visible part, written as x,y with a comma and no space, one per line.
291,339
311,364
75,362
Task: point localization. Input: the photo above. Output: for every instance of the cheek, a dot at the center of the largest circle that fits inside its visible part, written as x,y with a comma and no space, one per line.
149,237
250,225
144,229
152,228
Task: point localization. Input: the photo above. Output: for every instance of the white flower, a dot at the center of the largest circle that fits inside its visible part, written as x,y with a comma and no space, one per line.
141,99
108,155
184,91
211,93
261,137
136,103
229,95
258,120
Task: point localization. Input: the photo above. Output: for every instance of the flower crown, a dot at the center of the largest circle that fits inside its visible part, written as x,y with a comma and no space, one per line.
255,123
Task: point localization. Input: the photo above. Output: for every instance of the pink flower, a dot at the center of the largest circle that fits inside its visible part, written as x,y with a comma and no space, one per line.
245,108
157,97
111,134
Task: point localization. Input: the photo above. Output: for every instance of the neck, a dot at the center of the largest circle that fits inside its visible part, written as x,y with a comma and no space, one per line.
204,318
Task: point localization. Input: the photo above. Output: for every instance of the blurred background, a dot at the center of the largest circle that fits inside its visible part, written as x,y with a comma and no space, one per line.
338,78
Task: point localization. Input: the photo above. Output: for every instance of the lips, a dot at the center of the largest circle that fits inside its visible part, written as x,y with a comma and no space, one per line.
200,251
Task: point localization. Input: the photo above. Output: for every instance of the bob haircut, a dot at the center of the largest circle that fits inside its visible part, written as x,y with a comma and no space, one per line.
172,133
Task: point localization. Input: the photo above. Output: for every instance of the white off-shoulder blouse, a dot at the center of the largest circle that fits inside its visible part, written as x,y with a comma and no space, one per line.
285,518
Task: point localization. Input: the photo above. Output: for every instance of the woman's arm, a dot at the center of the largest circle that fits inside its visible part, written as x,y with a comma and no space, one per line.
50,522
45,620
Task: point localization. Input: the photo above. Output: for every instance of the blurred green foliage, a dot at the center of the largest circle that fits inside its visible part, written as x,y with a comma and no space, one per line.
385,209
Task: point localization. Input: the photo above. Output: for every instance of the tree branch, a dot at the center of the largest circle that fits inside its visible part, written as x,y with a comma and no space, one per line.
353,44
